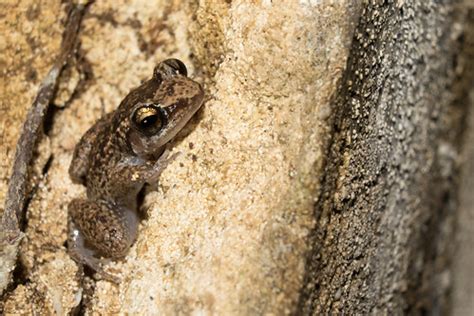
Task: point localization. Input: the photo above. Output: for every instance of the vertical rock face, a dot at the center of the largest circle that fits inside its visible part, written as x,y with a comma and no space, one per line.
384,221
226,235
225,231
29,41
463,276
229,227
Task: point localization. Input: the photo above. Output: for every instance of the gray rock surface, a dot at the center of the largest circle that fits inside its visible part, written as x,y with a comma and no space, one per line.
384,233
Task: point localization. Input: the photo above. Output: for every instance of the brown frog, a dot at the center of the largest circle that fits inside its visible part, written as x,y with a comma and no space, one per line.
118,155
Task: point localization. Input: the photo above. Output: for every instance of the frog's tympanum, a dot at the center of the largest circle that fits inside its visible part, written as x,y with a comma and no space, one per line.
118,155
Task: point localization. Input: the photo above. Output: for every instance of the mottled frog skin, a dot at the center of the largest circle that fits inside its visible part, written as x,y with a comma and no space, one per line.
118,155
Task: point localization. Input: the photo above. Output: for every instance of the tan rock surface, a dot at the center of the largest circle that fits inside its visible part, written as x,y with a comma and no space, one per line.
29,40
225,231
30,33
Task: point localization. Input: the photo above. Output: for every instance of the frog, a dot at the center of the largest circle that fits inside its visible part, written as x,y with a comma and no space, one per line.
121,153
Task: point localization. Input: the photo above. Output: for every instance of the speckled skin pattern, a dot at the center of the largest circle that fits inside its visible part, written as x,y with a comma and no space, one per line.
119,154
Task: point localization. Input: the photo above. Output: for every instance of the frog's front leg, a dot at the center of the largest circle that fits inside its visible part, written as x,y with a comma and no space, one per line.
153,174
140,172
99,228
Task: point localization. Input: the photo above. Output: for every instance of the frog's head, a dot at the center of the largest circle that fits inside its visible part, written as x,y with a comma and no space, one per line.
156,120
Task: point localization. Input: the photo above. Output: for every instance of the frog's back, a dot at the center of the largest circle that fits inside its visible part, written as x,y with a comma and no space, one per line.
105,156
85,151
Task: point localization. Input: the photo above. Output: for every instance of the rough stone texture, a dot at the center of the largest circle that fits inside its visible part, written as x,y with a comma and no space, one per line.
463,273
29,41
383,238
49,291
225,230
462,302
225,233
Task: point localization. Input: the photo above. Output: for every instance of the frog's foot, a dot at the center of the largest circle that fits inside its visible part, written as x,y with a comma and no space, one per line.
85,256
161,164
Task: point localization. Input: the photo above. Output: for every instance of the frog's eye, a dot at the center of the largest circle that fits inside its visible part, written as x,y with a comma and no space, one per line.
148,119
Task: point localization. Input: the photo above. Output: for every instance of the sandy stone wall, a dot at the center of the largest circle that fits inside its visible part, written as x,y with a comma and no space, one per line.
225,228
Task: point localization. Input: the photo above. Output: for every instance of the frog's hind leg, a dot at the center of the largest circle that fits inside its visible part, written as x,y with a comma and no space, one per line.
86,256
99,228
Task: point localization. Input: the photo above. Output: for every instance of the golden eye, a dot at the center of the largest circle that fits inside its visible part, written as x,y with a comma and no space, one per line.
148,119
